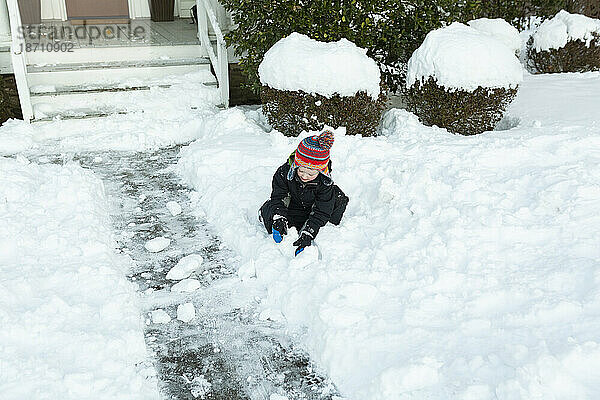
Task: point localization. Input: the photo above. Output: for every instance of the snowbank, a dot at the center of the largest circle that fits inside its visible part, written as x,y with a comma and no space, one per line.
464,268
501,30
461,57
71,326
300,63
159,117
564,27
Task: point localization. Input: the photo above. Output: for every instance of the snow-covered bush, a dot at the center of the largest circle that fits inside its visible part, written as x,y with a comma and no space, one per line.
462,79
308,84
501,30
565,43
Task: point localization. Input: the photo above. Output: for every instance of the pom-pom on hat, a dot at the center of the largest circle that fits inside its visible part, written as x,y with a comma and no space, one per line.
313,152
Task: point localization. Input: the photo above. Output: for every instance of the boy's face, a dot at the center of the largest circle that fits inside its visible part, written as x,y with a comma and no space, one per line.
307,174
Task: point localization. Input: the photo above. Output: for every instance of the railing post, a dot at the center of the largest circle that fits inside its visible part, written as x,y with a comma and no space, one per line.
202,25
219,61
17,53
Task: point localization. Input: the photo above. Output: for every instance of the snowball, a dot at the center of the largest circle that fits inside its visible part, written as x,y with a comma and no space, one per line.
186,285
174,208
300,63
185,267
186,312
461,57
157,244
564,27
499,29
160,316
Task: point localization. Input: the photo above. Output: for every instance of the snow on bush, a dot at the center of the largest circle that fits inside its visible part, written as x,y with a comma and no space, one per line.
71,326
501,30
298,63
462,79
464,268
563,28
461,57
308,84
565,43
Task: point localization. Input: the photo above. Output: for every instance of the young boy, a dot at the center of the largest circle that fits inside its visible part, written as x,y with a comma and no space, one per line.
303,194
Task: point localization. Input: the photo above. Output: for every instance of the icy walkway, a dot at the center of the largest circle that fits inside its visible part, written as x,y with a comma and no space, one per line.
225,352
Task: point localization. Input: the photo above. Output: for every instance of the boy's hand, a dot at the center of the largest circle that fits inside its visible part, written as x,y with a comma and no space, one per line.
280,228
304,240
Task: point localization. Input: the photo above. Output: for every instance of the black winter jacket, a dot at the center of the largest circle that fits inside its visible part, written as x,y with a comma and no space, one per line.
314,199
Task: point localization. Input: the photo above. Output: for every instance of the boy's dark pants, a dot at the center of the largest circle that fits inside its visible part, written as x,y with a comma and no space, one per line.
297,217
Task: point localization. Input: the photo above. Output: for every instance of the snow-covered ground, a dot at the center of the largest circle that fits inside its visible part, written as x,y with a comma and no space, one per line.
71,326
465,267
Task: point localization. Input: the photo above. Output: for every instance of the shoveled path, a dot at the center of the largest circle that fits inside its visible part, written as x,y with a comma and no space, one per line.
226,352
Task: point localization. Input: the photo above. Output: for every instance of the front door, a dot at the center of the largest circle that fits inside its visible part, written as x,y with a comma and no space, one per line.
97,11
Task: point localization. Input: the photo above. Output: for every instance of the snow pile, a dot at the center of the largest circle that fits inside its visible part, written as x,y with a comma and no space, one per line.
501,30
71,326
297,62
461,57
159,117
565,27
464,268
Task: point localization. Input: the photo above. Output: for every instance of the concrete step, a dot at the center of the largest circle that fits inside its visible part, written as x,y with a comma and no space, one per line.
87,113
78,101
115,54
74,74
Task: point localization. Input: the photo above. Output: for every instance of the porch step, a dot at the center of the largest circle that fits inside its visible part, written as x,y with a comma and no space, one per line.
99,99
91,73
115,54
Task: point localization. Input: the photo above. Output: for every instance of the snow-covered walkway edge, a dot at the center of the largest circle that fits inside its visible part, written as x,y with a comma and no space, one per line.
71,322
465,267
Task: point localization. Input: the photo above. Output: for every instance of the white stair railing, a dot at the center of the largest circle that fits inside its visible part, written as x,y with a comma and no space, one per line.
220,64
17,53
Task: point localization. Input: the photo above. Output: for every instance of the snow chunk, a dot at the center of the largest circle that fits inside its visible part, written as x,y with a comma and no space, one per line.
185,267
157,244
186,285
461,57
174,208
499,29
160,316
297,62
186,312
564,27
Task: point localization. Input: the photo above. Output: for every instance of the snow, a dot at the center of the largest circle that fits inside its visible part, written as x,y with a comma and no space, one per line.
71,326
159,117
465,267
461,57
157,244
160,316
174,208
499,29
186,312
185,267
186,285
565,27
297,62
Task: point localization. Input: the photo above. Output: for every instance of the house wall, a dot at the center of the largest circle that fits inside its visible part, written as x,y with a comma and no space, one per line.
55,9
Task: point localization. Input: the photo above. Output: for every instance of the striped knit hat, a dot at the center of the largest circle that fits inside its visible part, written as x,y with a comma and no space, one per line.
313,152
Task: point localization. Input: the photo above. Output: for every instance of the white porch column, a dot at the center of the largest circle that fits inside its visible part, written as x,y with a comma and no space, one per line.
4,23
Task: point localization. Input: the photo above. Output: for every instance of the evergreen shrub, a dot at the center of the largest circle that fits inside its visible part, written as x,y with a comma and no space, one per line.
575,56
291,112
459,111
